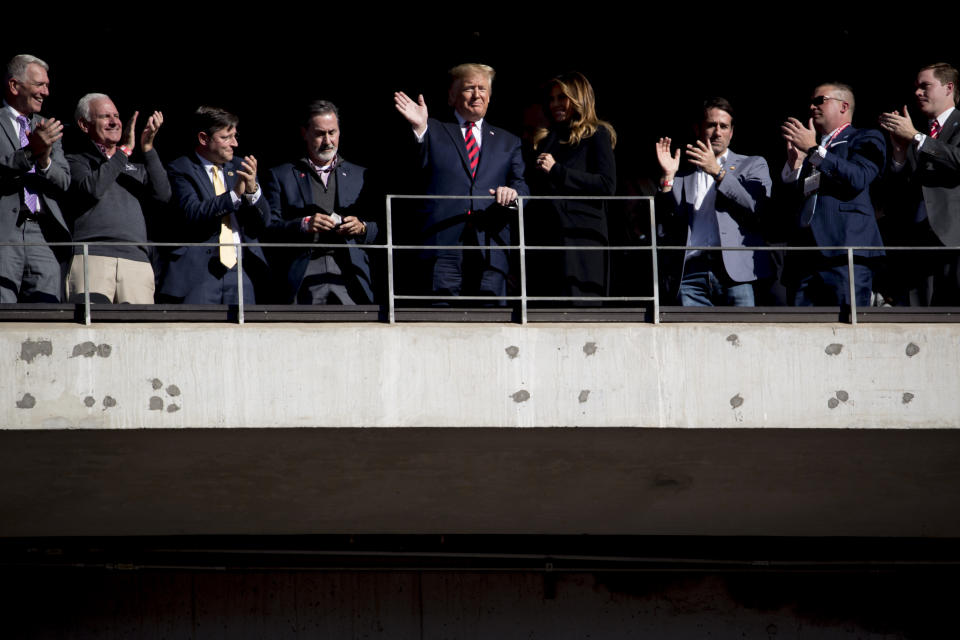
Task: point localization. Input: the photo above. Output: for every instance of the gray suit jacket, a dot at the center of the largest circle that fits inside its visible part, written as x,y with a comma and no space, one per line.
15,165
741,197
934,172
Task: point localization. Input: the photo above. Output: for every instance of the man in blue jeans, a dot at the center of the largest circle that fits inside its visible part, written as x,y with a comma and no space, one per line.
716,200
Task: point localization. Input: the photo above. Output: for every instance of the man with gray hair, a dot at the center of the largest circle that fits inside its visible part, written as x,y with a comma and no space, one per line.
108,194
33,174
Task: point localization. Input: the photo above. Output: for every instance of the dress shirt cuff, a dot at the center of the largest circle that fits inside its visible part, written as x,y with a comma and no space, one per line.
252,198
920,138
817,156
46,168
789,175
305,224
420,137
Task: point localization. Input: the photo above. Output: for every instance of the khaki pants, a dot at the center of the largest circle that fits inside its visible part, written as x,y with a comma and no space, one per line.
116,279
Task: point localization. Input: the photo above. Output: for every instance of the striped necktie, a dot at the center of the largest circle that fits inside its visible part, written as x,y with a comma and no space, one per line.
473,151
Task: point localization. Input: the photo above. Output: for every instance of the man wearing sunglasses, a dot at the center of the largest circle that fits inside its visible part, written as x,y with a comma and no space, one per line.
830,167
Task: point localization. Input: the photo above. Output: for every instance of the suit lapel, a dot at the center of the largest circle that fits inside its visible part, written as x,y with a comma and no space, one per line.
345,186
842,138
203,179
456,135
489,147
951,128
7,127
301,175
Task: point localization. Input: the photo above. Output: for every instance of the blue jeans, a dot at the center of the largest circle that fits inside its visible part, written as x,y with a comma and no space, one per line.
705,283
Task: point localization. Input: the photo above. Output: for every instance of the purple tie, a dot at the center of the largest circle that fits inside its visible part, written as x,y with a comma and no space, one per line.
29,197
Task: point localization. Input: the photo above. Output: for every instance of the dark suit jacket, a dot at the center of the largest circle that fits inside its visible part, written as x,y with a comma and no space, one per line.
587,168
199,215
290,195
844,213
742,196
933,173
443,156
15,164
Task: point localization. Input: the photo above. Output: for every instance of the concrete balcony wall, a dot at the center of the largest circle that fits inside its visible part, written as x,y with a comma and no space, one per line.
113,376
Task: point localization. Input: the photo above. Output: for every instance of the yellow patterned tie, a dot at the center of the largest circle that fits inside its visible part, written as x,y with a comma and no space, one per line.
228,251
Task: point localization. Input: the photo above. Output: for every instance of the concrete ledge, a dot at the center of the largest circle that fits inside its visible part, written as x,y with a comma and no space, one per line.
122,376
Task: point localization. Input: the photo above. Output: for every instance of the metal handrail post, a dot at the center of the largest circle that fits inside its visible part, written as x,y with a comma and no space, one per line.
391,314
853,297
523,263
654,268
86,285
239,284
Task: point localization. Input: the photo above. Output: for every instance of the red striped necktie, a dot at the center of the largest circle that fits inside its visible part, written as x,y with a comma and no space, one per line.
473,151
934,128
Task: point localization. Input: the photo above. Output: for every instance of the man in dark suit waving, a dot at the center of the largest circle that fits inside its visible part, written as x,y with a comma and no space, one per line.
466,157
925,169
322,198
219,201
832,166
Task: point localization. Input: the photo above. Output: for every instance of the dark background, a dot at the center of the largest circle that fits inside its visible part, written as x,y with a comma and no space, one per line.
651,69
649,72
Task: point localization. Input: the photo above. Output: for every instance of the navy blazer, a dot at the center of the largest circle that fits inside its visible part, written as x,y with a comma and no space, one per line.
844,213
290,196
201,210
443,156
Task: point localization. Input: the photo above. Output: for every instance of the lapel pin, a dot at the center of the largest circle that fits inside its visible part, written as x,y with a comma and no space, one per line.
230,173
731,168
303,175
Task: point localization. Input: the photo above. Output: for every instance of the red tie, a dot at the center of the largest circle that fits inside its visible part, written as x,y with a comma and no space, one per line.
473,151
934,129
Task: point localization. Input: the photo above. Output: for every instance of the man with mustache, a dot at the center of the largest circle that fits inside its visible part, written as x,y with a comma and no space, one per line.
108,196
830,167
322,198
33,174
925,170
716,201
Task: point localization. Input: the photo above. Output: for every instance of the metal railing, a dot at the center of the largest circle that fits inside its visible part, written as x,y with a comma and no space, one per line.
521,247
389,247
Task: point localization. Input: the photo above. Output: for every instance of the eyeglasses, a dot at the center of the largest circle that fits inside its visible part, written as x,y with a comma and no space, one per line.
819,100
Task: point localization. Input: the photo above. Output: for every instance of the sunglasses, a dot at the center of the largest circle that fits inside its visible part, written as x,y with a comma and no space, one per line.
819,100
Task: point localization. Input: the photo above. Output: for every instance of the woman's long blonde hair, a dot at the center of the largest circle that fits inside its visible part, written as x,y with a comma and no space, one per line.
583,122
